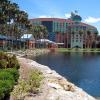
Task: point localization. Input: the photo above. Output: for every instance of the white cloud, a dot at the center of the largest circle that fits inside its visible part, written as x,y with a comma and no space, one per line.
98,28
44,16
67,15
92,20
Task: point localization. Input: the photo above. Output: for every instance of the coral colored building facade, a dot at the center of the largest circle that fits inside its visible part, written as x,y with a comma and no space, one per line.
72,32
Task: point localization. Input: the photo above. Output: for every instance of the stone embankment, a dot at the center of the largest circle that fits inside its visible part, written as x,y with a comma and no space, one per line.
54,87
28,52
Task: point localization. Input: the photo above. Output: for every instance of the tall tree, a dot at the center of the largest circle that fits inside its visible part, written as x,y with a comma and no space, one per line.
96,34
89,39
12,19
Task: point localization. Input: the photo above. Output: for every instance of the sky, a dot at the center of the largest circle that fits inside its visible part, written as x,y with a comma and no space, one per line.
89,10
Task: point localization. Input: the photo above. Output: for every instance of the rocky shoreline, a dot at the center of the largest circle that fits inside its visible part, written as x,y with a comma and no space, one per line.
55,87
30,52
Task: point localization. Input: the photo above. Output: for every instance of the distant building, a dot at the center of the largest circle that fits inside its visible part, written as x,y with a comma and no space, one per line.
29,40
72,32
3,42
45,43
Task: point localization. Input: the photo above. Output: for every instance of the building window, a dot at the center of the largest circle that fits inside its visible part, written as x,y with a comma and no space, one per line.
76,22
84,28
76,35
76,40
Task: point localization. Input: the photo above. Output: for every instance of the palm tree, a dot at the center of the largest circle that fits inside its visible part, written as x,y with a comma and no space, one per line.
96,34
37,32
6,15
3,16
43,32
40,32
67,39
81,34
88,39
10,12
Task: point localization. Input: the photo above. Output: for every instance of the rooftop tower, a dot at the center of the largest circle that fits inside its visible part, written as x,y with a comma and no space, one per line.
75,16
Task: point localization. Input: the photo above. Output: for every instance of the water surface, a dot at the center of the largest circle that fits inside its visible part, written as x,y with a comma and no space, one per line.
82,69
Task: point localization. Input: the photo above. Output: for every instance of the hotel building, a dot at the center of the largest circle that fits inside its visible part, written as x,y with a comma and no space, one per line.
71,32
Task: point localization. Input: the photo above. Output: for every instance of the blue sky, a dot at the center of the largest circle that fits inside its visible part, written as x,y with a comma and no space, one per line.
88,9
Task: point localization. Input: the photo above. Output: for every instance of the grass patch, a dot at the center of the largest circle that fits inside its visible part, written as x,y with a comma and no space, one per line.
78,50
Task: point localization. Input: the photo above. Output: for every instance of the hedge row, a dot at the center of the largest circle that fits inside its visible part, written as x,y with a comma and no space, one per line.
8,74
8,78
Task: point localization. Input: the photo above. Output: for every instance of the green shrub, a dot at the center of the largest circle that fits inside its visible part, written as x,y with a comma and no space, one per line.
14,72
69,49
3,55
21,90
92,49
13,63
35,80
8,73
6,76
31,85
7,81
8,61
2,94
6,87
98,49
3,63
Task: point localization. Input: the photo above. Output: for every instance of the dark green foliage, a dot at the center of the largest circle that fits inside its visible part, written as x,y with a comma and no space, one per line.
14,72
92,49
8,61
3,55
2,94
69,48
12,62
10,11
8,78
98,49
8,74
3,63
6,87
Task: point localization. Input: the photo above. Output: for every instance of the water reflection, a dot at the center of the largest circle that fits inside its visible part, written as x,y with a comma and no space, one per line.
83,69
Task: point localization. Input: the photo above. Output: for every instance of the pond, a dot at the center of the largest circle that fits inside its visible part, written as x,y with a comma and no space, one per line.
82,69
